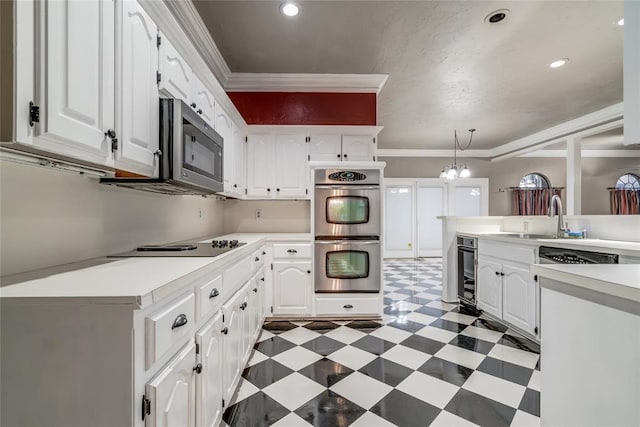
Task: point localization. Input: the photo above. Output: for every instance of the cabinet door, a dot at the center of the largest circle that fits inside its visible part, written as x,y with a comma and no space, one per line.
176,77
232,344
519,297
357,148
291,166
489,287
224,126
202,101
260,288
209,383
326,148
247,320
260,165
78,72
239,158
171,392
139,106
292,290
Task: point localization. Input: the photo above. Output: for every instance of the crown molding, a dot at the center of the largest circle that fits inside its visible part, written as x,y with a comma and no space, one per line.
192,24
590,124
300,82
401,152
355,130
585,153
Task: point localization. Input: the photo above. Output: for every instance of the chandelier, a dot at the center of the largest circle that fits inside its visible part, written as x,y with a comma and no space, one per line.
456,170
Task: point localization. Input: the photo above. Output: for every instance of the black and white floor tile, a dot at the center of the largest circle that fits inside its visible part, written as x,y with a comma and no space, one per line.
426,363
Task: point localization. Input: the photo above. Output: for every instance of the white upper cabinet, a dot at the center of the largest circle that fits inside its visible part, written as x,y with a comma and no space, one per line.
335,148
175,73
325,148
202,101
260,165
291,166
224,126
277,166
77,76
238,183
139,104
358,148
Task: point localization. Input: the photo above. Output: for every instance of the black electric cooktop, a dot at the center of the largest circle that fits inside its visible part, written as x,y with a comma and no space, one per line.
213,249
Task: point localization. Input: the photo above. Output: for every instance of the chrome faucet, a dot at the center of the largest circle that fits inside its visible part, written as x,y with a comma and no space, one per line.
555,200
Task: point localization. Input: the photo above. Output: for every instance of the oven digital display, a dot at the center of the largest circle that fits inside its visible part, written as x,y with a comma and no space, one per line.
347,265
347,176
347,210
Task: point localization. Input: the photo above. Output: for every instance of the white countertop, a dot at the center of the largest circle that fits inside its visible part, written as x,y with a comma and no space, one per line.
129,280
620,280
597,245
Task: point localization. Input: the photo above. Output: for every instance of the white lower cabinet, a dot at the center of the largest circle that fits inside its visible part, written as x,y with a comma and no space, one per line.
506,288
171,393
232,343
292,287
489,292
209,383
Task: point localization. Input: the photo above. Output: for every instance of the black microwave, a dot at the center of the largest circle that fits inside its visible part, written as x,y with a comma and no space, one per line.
190,157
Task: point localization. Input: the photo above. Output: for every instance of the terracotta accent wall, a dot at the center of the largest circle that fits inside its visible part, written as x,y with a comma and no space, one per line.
304,108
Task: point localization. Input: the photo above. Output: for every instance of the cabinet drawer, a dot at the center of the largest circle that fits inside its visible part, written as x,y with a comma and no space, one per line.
168,327
208,297
348,306
292,250
237,275
524,254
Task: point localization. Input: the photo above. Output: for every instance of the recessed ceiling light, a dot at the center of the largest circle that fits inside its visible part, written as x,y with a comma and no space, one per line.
559,63
289,9
621,22
496,16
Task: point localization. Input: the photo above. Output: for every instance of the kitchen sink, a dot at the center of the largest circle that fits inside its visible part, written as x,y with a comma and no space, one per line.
523,235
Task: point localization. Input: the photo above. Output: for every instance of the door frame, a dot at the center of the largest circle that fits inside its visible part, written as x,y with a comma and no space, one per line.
430,183
399,182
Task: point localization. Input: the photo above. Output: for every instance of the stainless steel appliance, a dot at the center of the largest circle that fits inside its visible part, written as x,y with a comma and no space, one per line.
347,265
549,255
347,231
190,155
213,249
467,269
347,202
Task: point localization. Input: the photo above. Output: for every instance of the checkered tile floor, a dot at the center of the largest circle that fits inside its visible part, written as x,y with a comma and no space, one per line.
425,363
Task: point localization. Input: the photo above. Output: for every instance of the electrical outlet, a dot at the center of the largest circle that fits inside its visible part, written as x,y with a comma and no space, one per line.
258,213
199,212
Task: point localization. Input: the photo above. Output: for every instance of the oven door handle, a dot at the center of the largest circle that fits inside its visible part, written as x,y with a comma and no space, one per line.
348,187
348,242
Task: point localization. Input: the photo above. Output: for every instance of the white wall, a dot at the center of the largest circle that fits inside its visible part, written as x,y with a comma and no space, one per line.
597,175
281,216
49,217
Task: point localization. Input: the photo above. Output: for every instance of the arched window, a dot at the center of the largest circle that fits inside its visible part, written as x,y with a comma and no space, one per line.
628,181
534,180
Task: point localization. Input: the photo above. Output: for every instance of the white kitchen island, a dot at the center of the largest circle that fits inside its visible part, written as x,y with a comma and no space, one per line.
590,340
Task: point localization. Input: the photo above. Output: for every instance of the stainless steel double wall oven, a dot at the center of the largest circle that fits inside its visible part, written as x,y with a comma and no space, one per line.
347,230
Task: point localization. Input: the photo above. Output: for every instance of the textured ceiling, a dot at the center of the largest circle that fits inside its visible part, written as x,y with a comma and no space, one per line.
447,68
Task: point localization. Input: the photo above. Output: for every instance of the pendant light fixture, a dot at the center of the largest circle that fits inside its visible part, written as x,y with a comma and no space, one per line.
456,170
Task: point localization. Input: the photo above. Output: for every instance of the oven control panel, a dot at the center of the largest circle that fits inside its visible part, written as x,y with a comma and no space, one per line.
342,176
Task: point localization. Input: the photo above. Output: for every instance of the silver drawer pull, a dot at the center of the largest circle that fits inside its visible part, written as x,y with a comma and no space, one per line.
181,320
347,306
214,293
292,251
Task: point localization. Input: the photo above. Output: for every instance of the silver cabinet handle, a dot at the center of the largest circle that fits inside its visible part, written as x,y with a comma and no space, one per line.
292,251
181,320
